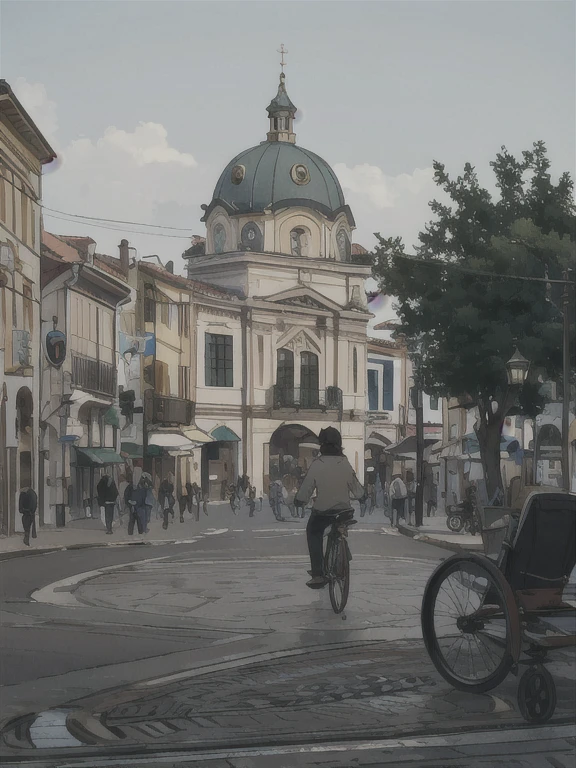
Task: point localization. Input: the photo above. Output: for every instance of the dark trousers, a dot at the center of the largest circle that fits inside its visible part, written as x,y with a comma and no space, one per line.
109,514
315,528
28,524
138,516
166,512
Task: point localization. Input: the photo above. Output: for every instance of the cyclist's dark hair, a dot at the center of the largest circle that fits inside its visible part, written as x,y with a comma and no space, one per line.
330,442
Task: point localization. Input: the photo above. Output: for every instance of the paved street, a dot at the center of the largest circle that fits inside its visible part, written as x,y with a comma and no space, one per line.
217,644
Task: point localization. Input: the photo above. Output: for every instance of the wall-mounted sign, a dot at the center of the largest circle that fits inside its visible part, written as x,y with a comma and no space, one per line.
55,345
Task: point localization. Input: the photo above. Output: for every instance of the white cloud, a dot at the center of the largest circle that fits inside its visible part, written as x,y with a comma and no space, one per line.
391,205
124,175
35,100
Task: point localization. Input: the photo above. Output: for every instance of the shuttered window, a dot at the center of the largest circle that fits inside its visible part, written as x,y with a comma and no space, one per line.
219,360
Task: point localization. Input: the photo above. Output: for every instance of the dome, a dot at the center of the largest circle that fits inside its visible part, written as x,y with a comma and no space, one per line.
278,175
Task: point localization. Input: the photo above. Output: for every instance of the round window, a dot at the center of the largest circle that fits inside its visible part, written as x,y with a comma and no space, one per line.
238,173
300,174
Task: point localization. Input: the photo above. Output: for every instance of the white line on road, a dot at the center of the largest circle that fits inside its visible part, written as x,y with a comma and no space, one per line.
476,738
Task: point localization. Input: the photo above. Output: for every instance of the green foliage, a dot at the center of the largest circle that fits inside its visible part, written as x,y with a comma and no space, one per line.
464,326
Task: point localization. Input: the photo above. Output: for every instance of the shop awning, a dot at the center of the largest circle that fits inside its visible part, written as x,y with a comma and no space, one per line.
224,435
97,457
172,440
380,442
470,444
111,417
197,435
131,450
408,445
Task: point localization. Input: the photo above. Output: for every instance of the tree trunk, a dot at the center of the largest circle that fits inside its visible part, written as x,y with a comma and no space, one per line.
489,433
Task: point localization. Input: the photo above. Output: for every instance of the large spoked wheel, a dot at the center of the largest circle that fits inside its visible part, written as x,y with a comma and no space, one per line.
337,568
470,623
455,523
537,695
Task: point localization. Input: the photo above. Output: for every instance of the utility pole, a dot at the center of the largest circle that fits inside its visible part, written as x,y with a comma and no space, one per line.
419,409
566,384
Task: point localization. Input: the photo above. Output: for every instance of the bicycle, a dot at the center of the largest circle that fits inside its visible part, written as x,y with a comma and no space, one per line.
337,560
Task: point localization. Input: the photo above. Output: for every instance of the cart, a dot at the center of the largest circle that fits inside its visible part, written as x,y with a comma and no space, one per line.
485,615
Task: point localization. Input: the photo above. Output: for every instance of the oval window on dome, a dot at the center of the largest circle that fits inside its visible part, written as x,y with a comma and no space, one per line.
219,235
300,174
238,173
251,237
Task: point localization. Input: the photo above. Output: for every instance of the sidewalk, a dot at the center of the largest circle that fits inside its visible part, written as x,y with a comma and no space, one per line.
435,531
91,532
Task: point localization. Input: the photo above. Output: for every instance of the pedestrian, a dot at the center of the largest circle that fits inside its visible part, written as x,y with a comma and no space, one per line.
196,498
136,500
432,503
107,493
276,499
399,498
289,485
251,501
233,498
182,505
27,504
166,499
204,495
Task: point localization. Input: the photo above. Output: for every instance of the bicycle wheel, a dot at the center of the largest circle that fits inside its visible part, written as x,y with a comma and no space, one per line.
470,623
337,569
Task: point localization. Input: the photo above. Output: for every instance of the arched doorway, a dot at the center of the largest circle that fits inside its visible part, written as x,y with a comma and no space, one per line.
549,456
292,449
378,466
24,435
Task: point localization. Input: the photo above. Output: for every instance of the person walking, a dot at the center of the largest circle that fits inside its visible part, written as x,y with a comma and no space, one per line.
411,490
27,504
251,501
399,498
335,482
233,498
432,501
166,499
276,499
107,493
136,500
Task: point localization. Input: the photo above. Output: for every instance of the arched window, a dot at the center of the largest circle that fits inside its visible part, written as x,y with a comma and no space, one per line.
344,247
219,234
355,369
285,377
309,380
299,242
251,237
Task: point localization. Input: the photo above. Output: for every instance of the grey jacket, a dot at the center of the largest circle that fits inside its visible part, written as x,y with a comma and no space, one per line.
334,481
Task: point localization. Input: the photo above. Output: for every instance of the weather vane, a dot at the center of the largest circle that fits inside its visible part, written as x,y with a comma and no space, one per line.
282,50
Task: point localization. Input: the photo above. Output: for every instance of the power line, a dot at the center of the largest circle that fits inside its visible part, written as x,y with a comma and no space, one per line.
118,229
114,221
436,262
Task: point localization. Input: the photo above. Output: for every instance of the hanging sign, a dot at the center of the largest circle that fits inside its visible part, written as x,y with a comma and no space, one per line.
55,345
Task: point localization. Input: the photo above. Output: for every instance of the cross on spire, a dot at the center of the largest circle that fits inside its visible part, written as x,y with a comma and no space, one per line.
282,51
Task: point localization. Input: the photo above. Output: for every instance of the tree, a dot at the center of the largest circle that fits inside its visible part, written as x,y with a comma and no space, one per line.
463,325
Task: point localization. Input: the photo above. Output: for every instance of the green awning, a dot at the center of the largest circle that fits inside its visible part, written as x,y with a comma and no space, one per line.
224,435
111,417
97,457
132,450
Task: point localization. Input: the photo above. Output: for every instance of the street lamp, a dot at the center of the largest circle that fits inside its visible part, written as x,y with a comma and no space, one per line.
517,369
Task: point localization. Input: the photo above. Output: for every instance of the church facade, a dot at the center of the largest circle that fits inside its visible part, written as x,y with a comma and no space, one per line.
285,356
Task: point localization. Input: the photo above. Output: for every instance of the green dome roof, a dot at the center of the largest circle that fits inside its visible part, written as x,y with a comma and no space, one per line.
270,175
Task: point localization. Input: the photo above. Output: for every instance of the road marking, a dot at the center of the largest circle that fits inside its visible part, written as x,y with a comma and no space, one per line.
476,738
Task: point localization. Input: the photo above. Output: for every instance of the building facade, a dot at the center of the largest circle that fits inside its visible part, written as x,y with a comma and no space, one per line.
23,152
79,440
289,356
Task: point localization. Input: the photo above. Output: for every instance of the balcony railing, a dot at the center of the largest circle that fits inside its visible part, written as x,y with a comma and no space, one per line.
302,397
171,411
93,375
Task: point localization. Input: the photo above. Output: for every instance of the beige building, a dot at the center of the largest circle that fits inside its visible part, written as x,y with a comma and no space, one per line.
79,439
23,151
288,355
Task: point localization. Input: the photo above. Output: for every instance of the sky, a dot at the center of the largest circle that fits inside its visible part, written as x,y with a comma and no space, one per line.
146,102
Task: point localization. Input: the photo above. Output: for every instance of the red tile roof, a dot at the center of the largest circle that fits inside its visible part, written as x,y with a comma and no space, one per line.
358,249
179,281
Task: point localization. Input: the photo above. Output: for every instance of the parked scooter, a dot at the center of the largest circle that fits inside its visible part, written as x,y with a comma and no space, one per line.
463,515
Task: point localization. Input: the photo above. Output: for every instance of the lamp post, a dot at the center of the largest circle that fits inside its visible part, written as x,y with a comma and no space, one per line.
517,369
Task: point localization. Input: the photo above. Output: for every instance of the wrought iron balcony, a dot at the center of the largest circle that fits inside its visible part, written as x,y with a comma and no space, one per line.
305,398
93,375
170,411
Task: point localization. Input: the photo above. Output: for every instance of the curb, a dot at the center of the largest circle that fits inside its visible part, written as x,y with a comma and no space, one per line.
92,545
413,533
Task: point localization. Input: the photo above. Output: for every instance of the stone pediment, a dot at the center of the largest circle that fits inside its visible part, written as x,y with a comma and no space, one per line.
307,298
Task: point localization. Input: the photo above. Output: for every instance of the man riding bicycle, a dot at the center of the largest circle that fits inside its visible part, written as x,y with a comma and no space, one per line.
334,481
